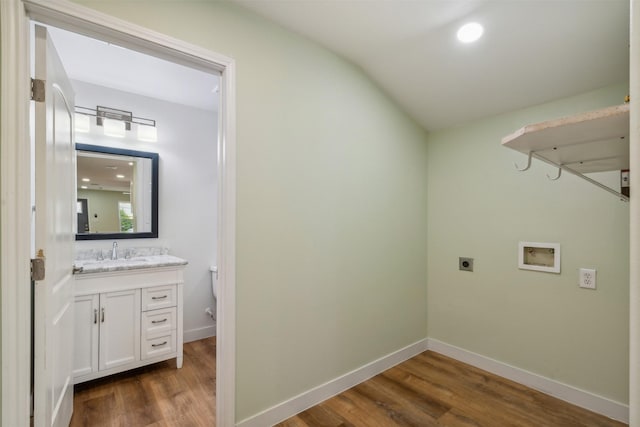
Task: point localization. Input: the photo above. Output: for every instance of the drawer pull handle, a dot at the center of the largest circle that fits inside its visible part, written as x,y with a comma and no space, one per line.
162,297
159,345
159,321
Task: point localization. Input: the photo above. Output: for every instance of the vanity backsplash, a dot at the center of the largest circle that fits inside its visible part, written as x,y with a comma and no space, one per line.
115,259
105,253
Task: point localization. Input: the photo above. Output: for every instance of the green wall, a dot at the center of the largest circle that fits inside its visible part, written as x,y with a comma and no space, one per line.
481,207
331,222
102,208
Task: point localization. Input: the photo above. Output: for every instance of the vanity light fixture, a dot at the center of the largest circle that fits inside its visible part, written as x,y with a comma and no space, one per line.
115,122
86,179
120,176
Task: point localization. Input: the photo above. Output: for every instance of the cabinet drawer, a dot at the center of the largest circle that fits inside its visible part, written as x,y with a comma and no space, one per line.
159,345
158,297
158,321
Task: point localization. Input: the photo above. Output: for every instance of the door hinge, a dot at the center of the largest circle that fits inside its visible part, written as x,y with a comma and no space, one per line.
37,267
37,90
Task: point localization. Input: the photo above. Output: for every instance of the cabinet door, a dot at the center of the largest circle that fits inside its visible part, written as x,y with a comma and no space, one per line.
85,353
119,328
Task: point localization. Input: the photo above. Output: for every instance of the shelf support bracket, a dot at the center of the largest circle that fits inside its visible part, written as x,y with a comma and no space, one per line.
557,177
528,164
586,178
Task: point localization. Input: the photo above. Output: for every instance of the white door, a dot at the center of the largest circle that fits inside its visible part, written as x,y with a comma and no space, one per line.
119,328
54,239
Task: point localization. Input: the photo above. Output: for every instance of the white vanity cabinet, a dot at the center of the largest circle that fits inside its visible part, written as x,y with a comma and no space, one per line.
127,319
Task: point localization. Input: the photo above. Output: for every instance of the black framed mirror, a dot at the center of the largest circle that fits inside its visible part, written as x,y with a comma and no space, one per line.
117,193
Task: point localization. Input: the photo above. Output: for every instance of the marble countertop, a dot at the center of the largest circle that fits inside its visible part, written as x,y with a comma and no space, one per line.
85,266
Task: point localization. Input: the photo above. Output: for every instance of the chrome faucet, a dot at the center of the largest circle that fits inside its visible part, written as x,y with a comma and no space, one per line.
114,251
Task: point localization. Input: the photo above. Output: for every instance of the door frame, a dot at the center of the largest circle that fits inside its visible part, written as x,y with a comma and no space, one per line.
15,207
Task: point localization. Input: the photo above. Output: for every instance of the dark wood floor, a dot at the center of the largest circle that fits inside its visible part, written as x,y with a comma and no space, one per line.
427,390
159,395
434,390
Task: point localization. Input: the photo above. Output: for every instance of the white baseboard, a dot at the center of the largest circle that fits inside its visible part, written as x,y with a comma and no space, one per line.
573,395
322,392
303,401
199,333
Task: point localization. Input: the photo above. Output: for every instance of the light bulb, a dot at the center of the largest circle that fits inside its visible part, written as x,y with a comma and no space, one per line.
147,133
82,123
115,128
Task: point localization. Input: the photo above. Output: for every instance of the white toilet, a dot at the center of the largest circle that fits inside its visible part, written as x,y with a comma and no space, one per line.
214,280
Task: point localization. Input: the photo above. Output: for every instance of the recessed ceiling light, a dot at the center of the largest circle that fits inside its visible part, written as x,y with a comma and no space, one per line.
470,32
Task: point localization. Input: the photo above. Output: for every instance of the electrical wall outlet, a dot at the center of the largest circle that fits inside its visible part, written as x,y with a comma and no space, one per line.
587,277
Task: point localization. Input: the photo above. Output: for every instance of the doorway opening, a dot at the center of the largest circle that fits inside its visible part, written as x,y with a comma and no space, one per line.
183,104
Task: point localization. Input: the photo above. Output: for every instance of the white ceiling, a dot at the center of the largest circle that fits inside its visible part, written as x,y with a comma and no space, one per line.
104,64
532,51
101,170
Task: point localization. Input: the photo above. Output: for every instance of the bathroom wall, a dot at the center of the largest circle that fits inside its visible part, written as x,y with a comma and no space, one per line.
481,207
186,145
331,209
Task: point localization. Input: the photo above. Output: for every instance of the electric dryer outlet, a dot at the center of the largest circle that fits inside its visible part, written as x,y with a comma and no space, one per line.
465,264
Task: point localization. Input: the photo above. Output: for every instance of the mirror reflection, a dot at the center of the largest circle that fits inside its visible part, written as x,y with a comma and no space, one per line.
117,193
